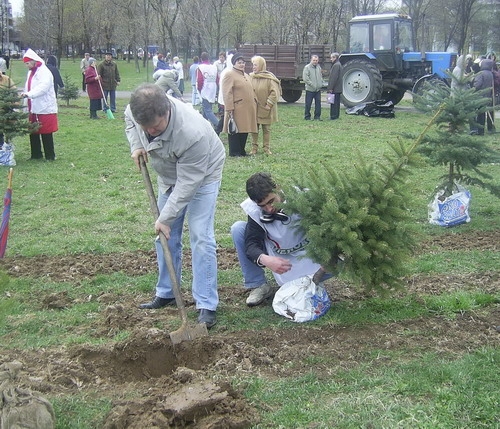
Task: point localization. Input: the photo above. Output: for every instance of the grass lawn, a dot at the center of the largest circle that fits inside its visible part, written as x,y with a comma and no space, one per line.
80,258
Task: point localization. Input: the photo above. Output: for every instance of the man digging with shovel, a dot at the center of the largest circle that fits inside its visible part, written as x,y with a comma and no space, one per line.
188,156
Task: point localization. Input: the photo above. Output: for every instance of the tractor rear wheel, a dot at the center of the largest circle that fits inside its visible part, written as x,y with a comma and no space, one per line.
362,82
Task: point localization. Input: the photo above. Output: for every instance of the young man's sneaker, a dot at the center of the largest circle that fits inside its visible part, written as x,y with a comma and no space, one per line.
259,295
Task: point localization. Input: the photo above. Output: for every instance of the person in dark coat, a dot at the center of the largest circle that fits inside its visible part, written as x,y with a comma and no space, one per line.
94,88
483,82
335,85
110,79
52,66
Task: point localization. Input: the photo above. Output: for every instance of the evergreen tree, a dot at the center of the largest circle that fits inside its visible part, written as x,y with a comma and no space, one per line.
360,215
70,90
451,144
13,119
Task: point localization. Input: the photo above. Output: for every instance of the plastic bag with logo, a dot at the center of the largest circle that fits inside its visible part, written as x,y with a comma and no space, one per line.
301,300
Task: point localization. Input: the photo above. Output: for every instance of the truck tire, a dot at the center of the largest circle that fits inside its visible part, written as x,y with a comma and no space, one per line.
291,95
362,82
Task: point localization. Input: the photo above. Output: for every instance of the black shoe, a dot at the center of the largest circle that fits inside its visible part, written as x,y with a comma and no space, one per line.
208,317
158,303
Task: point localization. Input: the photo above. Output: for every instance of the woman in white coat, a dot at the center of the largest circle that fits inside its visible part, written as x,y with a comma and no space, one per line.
42,105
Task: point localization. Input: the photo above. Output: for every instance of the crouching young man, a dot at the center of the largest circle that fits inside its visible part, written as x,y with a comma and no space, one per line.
269,239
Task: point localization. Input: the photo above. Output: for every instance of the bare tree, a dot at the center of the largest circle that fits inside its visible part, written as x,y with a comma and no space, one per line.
167,12
417,9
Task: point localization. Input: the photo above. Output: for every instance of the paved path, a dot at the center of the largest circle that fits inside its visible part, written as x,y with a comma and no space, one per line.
300,102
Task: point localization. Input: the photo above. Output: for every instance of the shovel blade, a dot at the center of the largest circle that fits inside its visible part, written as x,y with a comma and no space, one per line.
186,333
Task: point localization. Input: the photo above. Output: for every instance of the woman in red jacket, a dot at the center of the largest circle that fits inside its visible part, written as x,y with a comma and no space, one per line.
94,89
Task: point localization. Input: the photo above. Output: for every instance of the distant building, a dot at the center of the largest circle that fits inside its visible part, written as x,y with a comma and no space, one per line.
9,36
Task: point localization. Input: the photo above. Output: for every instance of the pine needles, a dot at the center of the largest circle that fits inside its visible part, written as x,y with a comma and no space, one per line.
361,215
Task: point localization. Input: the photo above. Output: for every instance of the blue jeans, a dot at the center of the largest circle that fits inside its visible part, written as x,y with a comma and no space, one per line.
112,99
195,96
310,96
208,112
201,213
253,275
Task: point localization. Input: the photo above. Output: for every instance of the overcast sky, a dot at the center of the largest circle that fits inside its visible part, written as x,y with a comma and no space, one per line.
17,6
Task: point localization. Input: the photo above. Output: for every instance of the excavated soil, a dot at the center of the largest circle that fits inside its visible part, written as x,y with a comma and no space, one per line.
157,385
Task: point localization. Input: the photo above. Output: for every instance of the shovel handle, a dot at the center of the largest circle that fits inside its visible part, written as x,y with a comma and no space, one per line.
163,241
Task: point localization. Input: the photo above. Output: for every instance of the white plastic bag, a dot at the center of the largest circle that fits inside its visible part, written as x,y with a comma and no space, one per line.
450,211
301,300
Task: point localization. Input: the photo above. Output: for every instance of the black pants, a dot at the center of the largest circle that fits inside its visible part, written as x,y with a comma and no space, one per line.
48,146
237,143
335,107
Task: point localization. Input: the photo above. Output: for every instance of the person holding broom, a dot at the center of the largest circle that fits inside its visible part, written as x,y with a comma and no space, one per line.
188,156
94,89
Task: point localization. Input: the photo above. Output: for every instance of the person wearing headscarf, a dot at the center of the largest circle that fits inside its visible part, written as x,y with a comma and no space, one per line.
40,99
94,88
267,88
239,103
460,77
52,66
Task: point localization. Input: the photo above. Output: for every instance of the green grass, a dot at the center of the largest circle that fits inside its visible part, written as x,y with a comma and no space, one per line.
92,200
429,393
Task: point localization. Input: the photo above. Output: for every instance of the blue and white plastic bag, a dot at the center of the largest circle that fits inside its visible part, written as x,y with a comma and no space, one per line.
7,155
450,211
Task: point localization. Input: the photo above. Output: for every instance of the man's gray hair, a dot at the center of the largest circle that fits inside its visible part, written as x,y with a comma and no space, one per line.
148,102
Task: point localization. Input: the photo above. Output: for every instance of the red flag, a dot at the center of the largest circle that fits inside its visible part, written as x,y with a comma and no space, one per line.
4,227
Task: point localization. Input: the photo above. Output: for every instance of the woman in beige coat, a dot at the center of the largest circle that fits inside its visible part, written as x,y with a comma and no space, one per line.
240,102
267,89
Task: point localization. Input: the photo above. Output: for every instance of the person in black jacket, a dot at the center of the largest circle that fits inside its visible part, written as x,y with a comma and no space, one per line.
483,83
52,66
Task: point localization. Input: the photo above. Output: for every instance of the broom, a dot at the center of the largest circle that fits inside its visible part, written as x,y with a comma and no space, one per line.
109,113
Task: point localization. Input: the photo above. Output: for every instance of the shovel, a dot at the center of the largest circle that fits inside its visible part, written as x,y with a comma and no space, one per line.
185,332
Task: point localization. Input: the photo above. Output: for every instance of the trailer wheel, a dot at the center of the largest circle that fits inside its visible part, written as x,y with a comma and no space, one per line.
362,82
291,95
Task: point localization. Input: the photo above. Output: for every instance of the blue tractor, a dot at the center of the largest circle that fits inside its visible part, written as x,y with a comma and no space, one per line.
380,63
